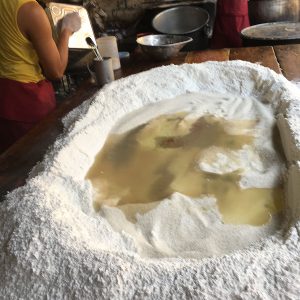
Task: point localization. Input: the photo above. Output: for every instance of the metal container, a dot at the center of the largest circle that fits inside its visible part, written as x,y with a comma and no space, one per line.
269,34
265,11
184,20
180,20
57,11
162,46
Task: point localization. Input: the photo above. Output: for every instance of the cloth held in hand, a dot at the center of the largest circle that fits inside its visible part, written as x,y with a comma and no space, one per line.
71,21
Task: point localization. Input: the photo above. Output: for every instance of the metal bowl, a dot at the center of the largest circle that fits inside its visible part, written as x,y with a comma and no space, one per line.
162,46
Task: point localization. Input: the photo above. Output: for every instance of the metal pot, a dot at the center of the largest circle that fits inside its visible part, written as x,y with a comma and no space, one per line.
265,11
184,20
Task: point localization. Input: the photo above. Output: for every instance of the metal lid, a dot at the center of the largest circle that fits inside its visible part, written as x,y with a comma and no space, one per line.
273,31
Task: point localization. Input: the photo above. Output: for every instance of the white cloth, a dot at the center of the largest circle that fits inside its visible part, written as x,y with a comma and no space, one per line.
71,21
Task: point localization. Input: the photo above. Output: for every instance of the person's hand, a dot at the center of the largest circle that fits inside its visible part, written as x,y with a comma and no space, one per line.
71,22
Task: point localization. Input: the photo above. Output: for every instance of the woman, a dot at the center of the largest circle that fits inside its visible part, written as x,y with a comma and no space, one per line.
29,57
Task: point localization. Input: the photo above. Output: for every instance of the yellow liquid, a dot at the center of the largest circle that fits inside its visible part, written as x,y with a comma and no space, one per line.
154,160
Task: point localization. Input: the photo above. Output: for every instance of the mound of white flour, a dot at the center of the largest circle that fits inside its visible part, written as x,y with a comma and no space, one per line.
53,245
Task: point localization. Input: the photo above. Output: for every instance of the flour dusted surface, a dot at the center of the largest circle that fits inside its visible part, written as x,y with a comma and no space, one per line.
53,244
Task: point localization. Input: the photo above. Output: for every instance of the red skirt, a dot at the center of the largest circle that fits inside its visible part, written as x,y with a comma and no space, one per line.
232,17
22,105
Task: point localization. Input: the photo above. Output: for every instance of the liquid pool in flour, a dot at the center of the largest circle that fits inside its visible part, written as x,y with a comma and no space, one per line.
195,175
163,156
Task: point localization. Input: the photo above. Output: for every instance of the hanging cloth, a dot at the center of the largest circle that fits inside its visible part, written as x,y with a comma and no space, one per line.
231,18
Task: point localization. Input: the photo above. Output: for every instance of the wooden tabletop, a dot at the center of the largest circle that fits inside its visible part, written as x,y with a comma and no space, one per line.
19,159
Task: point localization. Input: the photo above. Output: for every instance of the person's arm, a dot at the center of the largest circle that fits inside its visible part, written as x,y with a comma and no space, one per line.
34,24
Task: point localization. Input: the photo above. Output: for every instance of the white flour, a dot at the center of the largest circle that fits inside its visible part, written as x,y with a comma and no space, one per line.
53,245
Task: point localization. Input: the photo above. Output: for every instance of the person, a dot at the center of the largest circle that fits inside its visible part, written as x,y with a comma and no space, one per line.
231,18
29,59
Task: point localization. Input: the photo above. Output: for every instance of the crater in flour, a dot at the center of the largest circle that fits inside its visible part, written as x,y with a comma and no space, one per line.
53,244
208,157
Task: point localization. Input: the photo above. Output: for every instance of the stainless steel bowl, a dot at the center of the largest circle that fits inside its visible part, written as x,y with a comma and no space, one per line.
162,46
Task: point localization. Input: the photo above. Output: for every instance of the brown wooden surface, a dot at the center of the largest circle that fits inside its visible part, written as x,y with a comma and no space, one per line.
264,56
288,57
18,160
206,55
140,62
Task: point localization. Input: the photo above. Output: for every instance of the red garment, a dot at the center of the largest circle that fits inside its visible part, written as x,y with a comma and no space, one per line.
22,105
11,131
232,17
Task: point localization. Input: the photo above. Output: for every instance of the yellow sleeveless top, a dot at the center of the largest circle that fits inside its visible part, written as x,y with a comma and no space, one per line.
18,59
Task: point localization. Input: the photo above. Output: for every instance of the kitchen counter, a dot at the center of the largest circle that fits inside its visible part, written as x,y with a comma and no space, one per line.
19,159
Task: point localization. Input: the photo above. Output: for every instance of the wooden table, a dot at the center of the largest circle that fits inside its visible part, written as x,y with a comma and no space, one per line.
19,159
